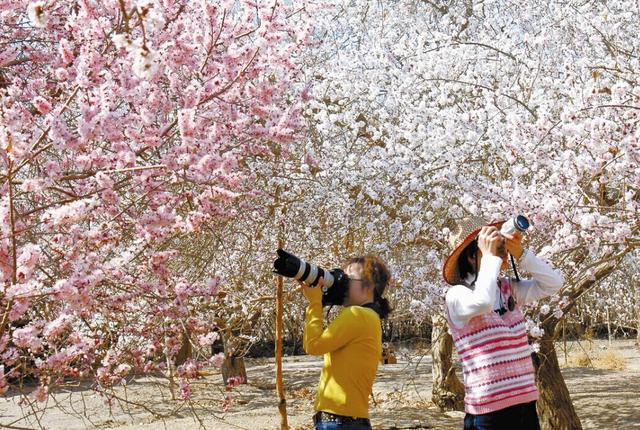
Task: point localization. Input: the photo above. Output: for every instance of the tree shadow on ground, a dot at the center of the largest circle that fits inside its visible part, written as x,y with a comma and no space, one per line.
602,397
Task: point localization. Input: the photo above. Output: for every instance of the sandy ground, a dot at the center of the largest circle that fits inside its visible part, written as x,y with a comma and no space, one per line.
604,399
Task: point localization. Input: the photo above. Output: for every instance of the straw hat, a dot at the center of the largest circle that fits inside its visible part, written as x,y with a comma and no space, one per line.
463,234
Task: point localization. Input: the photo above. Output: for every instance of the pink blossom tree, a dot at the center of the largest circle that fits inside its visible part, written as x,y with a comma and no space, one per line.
126,133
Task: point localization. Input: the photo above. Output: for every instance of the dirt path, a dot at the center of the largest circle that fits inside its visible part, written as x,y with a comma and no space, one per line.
604,399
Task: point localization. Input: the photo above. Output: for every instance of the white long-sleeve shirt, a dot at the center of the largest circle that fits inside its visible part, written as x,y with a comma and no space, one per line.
464,303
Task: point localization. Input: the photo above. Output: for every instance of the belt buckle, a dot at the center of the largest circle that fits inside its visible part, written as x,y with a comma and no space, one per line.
325,416
318,417
328,416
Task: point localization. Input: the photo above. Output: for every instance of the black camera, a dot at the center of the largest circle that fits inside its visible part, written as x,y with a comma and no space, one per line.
336,282
516,223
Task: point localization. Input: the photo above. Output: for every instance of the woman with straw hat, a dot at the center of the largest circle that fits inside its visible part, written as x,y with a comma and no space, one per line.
487,325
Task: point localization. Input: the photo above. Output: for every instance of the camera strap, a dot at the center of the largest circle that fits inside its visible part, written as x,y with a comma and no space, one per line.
513,266
328,311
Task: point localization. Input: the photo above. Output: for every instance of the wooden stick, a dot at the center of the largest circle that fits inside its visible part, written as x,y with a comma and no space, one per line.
282,403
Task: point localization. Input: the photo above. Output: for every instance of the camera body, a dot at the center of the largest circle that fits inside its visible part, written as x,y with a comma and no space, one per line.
516,223
336,282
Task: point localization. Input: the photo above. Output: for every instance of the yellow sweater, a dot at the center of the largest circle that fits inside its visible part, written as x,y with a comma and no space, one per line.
352,346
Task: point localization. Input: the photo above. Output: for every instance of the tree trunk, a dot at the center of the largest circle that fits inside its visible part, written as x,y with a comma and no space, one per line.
555,409
186,350
4,322
448,391
638,317
234,367
609,326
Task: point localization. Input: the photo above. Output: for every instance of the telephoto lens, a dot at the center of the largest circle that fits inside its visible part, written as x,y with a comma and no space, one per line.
336,282
290,266
517,223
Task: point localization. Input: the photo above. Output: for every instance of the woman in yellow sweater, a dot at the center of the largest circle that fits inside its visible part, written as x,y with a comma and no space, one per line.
351,344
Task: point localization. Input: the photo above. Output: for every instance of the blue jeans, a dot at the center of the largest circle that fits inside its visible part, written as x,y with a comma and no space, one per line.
520,417
335,425
342,423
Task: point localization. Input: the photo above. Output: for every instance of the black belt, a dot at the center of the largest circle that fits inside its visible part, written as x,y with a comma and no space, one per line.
327,416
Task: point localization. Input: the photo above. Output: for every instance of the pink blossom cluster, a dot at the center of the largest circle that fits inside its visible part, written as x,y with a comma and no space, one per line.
126,135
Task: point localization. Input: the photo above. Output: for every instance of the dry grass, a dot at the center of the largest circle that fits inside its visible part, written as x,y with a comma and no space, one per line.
609,360
398,398
302,393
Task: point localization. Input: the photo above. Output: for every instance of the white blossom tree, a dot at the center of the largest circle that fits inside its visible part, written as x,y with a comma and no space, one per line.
427,110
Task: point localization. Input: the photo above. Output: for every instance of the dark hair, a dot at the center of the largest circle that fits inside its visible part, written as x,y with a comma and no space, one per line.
376,275
464,267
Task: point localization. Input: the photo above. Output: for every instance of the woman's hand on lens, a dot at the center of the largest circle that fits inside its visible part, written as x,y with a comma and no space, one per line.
490,241
514,244
312,292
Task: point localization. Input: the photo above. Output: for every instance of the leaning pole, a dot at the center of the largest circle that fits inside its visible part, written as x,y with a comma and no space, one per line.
282,401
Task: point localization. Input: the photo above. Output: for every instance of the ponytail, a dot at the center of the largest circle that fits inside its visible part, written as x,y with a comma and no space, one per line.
384,307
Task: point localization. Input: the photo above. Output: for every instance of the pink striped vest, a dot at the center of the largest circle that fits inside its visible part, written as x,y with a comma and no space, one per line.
496,359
